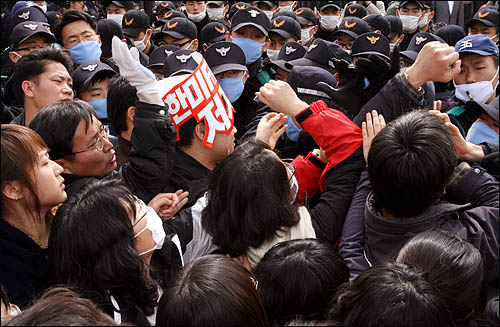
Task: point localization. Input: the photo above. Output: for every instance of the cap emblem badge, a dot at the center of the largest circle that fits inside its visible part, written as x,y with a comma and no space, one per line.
220,30
278,24
169,15
239,7
347,25
168,52
90,68
373,39
482,15
25,15
128,22
31,26
164,5
352,10
465,44
172,25
289,50
253,13
298,12
223,51
419,40
311,48
183,58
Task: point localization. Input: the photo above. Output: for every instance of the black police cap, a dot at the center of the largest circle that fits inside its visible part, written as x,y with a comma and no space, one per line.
303,80
305,16
288,52
378,22
25,30
160,54
286,27
179,62
320,54
213,32
355,10
396,26
82,76
224,56
33,13
180,28
169,15
135,22
352,26
251,16
417,43
164,6
371,43
487,16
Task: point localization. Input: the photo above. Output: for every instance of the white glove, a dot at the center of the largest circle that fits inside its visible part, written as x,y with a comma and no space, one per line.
130,68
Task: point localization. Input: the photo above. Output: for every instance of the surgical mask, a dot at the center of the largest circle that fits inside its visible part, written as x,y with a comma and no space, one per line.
295,189
273,54
85,51
424,21
155,225
392,46
286,8
329,23
479,91
197,17
305,35
410,23
494,36
251,48
479,132
292,132
116,17
100,106
233,87
216,13
141,45
269,14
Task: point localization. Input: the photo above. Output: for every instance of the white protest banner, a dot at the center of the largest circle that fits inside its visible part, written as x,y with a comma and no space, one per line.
198,95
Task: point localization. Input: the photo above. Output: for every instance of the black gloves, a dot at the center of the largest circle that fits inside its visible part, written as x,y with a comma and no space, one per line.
361,82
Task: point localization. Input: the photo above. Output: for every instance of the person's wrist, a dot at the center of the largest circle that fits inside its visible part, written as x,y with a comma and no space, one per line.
474,153
414,77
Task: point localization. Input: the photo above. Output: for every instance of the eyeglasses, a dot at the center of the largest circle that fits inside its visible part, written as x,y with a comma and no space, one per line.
175,45
99,144
76,40
347,46
32,48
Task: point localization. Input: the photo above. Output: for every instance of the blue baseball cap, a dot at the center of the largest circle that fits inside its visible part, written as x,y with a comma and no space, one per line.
479,44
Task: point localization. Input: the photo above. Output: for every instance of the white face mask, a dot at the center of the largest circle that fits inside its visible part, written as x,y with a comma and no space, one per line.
216,13
305,35
393,45
286,8
479,91
273,54
329,23
410,23
424,21
198,17
116,17
269,14
141,45
155,225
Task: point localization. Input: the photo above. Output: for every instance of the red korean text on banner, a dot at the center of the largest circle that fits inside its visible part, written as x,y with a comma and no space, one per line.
200,96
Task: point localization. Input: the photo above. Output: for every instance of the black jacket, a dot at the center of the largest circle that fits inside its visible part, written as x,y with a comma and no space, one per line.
188,175
151,158
24,272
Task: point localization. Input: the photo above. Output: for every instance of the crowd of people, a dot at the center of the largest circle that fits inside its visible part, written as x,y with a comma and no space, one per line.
249,163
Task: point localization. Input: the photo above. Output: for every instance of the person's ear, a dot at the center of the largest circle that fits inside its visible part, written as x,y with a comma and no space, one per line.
204,46
245,76
149,33
194,45
397,13
12,190
402,38
65,164
99,39
130,116
431,15
28,88
315,29
199,131
266,46
228,37
14,57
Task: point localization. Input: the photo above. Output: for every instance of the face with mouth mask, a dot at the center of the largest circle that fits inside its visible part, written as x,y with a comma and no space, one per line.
148,230
277,43
252,41
489,31
329,18
268,11
142,40
115,13
233,83
478,78
196,10
81,41
287,5
216,13
410,14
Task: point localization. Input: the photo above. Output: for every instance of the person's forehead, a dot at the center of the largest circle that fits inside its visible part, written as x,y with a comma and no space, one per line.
76,28
250,29
112,6
330,10
479,25
474,59
171,39
55,68
277,37
345,38
100,84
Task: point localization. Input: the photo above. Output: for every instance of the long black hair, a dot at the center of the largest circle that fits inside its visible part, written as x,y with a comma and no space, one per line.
249,199
92,247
